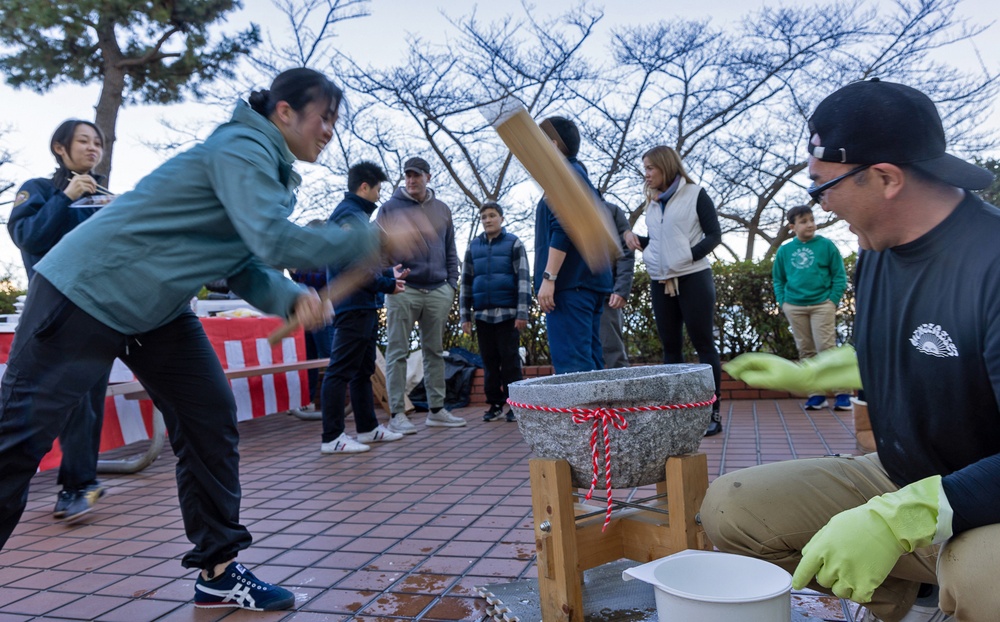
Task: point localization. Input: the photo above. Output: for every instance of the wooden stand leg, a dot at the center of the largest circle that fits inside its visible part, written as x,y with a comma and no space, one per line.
687,483
558,578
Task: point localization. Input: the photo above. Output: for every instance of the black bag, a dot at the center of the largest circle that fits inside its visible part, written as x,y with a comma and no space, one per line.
459,367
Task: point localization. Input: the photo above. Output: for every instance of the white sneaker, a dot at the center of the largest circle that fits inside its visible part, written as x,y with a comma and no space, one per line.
381,434
400,424
343,444
443,419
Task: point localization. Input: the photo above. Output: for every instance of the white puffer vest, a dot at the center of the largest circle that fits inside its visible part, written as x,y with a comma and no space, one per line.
673,230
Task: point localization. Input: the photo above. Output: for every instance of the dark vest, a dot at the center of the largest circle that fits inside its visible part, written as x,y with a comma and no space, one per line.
494,285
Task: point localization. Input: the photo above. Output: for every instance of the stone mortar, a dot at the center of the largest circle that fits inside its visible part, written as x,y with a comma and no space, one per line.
638,453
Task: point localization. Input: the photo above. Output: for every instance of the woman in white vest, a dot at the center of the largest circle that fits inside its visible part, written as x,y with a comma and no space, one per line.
683,228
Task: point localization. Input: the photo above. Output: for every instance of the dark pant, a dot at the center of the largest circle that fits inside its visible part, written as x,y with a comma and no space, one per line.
574,329
693,307
317,347
501,362
352,363
60,352
80,439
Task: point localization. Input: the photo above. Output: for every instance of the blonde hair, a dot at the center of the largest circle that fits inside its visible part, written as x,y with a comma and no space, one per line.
669,163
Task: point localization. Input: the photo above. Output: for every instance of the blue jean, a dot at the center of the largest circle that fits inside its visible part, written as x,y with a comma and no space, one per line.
574,329
60,352
352,363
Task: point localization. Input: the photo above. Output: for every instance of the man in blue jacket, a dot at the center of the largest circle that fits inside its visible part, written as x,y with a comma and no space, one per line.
571,296
355,325
432,282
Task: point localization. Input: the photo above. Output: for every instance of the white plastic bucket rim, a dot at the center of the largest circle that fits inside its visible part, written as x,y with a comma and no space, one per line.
733,578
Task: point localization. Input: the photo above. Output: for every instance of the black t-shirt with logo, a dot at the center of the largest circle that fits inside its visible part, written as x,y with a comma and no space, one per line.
928,340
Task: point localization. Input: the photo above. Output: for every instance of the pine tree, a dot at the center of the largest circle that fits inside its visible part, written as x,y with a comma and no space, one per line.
155,51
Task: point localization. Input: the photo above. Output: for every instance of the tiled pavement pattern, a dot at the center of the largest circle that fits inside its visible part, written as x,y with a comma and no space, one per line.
403,532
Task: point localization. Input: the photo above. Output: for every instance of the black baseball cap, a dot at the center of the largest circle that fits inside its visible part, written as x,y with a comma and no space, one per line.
874,121
417,165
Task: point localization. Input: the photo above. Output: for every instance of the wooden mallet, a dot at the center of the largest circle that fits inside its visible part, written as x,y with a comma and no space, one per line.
346,283
578,209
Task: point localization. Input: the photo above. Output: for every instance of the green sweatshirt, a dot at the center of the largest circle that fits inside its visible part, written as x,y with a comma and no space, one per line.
218,210
808,273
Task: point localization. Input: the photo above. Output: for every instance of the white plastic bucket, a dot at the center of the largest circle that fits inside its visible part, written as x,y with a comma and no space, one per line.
716,587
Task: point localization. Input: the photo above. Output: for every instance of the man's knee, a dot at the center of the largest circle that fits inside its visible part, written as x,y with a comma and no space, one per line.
722,510
966,573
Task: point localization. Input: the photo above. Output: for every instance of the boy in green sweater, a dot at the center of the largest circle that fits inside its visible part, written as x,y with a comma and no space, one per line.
809,279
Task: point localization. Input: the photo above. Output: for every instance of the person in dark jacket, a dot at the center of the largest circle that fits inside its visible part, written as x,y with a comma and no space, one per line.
496,284
43,213
571,296
355,324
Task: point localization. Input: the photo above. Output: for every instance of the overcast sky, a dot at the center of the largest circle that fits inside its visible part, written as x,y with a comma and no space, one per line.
379,38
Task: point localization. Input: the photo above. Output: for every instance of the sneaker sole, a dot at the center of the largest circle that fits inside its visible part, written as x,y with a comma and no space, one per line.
404,432
279,606
75,518
444,424
380,440
343,451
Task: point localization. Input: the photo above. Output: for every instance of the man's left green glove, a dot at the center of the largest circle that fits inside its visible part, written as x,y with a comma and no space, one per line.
854,553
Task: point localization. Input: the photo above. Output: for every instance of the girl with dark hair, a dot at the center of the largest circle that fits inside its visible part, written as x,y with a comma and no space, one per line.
41,216
120,286
683,228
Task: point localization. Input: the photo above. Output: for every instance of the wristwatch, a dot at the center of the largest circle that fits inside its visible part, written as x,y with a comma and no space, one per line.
548,277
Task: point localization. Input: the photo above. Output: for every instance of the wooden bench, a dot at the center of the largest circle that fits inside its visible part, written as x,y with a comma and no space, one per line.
134,391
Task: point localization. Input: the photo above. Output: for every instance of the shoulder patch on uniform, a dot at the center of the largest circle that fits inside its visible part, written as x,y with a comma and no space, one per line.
21,197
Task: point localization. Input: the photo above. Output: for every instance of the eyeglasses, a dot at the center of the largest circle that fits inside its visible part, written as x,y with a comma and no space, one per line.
816,192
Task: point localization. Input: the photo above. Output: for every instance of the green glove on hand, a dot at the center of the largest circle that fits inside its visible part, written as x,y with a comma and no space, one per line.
854,553
835,369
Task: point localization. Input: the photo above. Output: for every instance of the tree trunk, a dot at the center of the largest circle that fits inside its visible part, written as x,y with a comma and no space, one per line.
106,116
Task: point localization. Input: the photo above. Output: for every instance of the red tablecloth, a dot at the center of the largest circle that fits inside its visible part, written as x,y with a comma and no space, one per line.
239,342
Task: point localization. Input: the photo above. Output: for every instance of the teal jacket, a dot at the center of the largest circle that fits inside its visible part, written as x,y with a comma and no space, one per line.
808,273
218,210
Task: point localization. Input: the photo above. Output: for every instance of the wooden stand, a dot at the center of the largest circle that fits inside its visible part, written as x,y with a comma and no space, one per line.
567,547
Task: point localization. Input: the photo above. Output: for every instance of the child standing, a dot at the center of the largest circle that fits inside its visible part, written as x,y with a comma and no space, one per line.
496,285
809,280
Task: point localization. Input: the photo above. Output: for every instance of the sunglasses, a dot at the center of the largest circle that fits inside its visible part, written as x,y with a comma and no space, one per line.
816,192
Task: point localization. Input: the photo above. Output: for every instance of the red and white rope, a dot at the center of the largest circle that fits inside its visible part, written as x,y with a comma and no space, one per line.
602,417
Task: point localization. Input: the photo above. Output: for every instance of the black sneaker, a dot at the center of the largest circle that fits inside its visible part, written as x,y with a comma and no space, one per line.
238,587
510,415
63,501
82,502
495,412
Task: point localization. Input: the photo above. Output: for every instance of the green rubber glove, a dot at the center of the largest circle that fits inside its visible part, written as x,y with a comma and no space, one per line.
835,369
853,554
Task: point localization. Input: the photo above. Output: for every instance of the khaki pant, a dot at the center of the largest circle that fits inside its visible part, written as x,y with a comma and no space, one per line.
813,326
771,511
430,309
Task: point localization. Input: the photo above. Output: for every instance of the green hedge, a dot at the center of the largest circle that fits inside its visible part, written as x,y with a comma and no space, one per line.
747,318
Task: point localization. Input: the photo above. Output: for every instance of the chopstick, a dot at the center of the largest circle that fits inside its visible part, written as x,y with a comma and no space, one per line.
100,189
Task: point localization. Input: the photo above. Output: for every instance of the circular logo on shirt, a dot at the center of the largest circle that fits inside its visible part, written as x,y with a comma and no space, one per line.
803,258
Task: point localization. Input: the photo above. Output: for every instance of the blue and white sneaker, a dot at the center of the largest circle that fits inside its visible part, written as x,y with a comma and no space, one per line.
816,402
843,402
237,587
